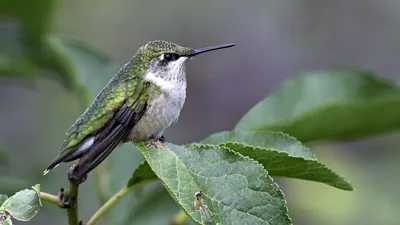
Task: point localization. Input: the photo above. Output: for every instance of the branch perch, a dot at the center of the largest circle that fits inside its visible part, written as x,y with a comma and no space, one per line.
73,198
73,208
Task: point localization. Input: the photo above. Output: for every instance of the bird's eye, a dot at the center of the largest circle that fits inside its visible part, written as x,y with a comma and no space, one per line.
170,56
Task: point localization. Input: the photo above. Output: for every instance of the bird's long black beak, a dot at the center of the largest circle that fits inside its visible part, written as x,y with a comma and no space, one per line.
211,48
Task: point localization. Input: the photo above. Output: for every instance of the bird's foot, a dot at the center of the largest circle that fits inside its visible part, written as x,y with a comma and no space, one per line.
63,198
156,142
72,178
162,139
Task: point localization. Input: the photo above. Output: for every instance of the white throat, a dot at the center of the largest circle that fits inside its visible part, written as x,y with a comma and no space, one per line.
173,76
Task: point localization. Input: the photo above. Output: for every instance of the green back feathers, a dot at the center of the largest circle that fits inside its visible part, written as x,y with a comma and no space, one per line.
122,89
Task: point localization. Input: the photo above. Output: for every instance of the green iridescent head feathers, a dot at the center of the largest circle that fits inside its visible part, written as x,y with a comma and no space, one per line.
154,49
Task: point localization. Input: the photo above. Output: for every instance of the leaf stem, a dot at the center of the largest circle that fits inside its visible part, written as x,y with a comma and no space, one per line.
112,201
49,198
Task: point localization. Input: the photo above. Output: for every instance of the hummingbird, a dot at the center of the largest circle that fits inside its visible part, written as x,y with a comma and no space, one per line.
139,103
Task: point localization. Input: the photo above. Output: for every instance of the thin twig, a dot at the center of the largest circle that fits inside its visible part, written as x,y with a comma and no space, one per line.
112,201
49,198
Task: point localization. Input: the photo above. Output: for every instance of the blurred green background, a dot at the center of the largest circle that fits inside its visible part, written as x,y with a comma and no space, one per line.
275,41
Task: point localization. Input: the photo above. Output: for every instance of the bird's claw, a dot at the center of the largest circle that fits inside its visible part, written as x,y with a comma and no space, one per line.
162,139
72,178
156,142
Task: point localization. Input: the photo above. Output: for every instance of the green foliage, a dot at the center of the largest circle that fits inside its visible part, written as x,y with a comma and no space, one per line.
236,188
280,155
23,205
231,168
329,104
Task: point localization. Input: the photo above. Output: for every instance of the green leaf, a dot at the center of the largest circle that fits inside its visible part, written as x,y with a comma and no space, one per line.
142,173
280,154
36,187
265,139
23,205
3,198
330,104
281,164
236,189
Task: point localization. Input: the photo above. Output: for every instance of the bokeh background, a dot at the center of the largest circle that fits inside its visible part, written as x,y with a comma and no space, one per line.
275,40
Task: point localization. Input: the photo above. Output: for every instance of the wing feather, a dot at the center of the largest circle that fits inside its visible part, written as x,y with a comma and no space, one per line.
124,120
113,113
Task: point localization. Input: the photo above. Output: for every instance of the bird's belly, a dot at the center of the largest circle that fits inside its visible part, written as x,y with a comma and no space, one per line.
161,112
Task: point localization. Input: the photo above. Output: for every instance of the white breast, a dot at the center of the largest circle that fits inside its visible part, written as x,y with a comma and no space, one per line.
163,108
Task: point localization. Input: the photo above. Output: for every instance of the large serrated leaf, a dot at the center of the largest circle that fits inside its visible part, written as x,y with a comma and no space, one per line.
280,154
236,189
282,164
266,139
23,205
329,104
